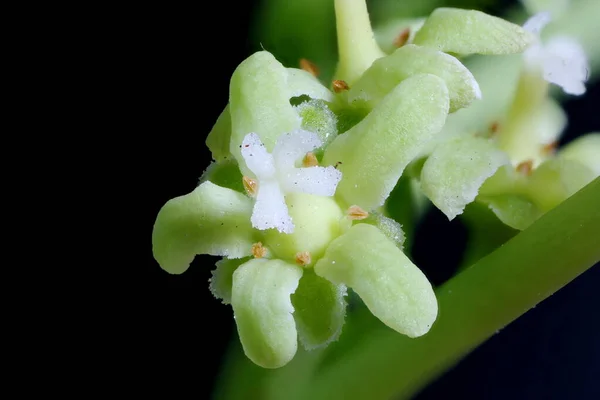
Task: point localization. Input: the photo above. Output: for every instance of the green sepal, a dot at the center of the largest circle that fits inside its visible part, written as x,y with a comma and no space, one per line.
373,154
391,286
302,82
209,220
259,102
219,137
464,32
409,60
221,281
225,174
263,310
320,310
318,118
388,226
454,172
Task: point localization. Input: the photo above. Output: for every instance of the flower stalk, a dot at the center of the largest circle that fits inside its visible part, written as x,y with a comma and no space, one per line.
357,47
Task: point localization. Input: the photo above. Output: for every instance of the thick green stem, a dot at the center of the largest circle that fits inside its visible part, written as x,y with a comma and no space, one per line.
357,47
473,306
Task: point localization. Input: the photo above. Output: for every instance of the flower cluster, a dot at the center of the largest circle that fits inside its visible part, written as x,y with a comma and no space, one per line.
294,201
515,169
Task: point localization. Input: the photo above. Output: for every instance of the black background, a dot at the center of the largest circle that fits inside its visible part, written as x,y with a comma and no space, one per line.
175,64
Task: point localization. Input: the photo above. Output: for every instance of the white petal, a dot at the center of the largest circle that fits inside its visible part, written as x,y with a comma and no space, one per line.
257,158
565,64
536,23
321,181
270,210
291,146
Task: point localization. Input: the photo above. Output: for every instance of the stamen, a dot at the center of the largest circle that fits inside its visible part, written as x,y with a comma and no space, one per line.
356,213
310,160
309,66
340,86
258,250
494,127
549,148
402,38
250,186
525,167
303,258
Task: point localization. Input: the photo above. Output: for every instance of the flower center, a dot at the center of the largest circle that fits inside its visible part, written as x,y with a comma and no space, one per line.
317,219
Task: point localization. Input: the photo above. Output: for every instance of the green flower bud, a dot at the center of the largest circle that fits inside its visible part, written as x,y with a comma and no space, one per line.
210,220
458,31
452,175
373,154
300,82
263,310
259,103
409,60
391,286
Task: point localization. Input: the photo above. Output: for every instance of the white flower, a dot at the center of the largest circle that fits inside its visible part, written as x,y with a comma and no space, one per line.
562,60
278,175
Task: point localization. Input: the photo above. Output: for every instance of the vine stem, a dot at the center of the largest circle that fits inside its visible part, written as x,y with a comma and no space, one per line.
473,306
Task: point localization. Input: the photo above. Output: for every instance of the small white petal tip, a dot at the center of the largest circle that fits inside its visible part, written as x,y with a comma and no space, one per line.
537,22
562,60
277,174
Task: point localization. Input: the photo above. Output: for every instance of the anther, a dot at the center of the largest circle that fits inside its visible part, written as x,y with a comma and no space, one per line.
340,86
310,160
525,167
494,127
309,66
402,38
258,250
356,213
549,148
303,258
249,185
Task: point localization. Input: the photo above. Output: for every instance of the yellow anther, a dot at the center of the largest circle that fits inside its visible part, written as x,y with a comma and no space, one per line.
357,213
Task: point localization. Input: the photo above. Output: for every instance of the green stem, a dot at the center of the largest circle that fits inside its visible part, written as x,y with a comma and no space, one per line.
486,233
473,306
357,47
